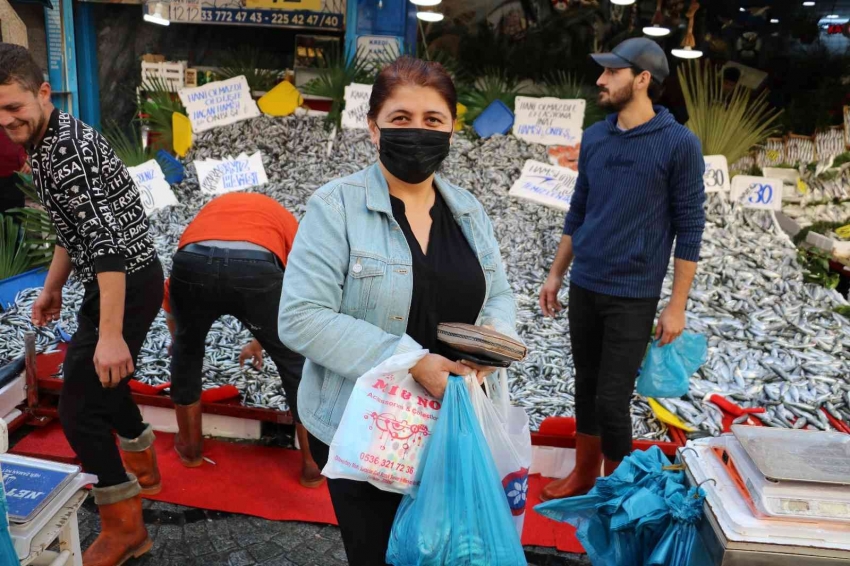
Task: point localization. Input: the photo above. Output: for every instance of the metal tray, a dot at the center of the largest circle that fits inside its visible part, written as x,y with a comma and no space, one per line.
797,455
48,480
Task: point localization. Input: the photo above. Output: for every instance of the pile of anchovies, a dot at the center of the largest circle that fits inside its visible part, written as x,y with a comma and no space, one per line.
774,341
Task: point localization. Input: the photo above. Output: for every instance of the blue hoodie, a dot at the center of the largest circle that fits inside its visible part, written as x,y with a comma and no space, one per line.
637,190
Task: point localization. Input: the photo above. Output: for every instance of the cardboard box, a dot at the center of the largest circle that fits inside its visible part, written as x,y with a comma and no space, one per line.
153,58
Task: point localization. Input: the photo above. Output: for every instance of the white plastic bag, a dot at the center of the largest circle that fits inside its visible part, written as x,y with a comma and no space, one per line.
508,435
384,427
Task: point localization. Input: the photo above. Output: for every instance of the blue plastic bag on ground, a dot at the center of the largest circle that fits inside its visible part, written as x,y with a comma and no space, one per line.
622,519
667,370
459,515
680,543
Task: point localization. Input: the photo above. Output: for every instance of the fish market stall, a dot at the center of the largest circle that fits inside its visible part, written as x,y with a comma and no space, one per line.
774,342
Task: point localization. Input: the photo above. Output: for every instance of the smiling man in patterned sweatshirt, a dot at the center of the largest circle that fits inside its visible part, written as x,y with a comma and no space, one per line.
102,235
639,187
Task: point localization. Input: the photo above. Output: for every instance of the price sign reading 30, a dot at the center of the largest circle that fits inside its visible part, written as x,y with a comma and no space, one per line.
757,192
716,177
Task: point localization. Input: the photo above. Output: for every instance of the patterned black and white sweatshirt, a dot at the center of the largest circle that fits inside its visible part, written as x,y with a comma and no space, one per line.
92,200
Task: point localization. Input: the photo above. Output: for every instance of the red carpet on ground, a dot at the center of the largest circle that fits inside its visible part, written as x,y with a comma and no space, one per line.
263,482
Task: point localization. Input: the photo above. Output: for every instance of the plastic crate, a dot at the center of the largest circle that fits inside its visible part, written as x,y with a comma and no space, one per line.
9,288
495,119
172,74
171,167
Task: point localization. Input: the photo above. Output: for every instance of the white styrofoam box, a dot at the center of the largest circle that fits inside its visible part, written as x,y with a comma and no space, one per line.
13,394
788,225
841,249
552,462
173,74
165,420
819,241
735,518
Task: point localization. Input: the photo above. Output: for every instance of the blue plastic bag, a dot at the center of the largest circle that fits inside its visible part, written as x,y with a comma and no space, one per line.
680,543
667,370
622,519
460,515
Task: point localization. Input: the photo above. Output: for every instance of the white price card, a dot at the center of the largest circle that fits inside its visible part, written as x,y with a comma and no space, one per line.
545,184
356,106
757,192
218,104
154,190
716,177
548,121
218,177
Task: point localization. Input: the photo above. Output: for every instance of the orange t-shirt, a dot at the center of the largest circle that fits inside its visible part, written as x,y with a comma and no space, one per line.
241,217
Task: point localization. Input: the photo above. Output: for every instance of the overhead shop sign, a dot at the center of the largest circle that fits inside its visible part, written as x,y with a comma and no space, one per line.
326,15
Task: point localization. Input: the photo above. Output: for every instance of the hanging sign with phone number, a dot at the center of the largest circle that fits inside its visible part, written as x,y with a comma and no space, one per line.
313,14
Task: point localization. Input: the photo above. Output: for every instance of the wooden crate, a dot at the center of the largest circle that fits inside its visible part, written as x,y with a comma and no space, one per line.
173,75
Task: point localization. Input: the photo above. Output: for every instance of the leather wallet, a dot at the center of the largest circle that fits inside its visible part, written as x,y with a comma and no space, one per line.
480,342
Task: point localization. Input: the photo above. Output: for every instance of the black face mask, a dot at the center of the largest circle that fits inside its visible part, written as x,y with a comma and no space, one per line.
413,154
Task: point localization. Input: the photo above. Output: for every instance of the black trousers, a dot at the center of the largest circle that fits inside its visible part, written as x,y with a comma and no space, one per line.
609,336
89,412
204,288
365,513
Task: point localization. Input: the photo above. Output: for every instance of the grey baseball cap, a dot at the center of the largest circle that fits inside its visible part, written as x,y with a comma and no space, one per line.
637,52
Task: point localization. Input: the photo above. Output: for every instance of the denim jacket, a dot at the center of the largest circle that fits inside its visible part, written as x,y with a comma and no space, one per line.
348,285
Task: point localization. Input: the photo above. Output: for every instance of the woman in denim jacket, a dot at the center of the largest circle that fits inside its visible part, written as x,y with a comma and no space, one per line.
380,258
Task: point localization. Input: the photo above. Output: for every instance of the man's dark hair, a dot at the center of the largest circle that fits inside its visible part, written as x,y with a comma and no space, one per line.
655,88
17,65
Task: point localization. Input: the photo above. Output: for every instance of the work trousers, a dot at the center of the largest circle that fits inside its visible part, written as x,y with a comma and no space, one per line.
609,336
365,513
90,412
204,288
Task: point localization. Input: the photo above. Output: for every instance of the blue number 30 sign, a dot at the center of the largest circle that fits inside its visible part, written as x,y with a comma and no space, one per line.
757,192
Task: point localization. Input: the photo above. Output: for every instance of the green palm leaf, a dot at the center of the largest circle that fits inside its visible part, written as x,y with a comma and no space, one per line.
335,73
728,126
13,254
128,148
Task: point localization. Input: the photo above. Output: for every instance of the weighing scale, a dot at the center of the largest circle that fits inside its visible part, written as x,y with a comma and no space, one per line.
759,510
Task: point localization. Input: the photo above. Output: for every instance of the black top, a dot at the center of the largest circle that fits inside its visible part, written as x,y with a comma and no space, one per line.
91,199
448,282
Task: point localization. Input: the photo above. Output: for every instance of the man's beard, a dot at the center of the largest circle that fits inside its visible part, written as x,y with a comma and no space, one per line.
35,129
616,101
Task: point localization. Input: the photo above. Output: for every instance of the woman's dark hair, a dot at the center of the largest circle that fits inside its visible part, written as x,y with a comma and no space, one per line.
17,65
410,71
655,88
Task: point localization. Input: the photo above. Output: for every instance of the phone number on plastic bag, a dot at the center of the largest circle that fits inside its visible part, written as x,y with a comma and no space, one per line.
389,464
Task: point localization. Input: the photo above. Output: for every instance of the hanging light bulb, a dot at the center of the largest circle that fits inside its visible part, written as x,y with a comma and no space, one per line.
425,2
689,42
687,53
430,16
657,29
623,2
157,16
808,4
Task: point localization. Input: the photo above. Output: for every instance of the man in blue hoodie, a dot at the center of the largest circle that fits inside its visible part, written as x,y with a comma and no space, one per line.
639,188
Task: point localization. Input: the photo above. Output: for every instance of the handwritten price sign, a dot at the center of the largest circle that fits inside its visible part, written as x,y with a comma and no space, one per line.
356,106
546,184
716,177
549,121
154,190
757,192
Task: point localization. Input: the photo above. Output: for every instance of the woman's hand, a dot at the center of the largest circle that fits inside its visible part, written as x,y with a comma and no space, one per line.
432,373
481,372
